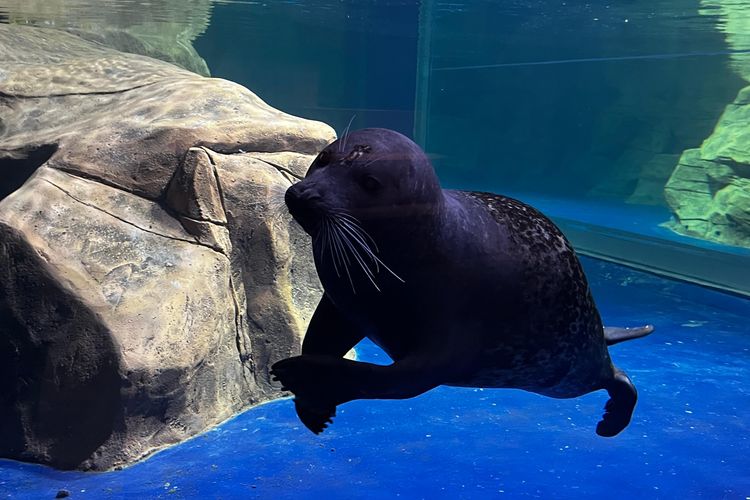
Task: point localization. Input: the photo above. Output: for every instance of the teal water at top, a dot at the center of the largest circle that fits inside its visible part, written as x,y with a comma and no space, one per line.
539,96
543,97
581,103
329,61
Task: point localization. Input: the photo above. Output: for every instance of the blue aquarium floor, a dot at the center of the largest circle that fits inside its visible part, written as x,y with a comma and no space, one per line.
690,436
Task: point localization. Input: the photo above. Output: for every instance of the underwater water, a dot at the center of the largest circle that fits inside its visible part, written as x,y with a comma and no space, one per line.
590,111
689,437
587,104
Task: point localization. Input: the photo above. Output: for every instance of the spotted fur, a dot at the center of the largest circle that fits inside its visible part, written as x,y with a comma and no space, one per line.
562,351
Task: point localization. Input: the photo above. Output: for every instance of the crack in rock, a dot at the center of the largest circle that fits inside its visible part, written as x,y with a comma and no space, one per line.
100,180
217,178
70,94
194,241
279,168
243,350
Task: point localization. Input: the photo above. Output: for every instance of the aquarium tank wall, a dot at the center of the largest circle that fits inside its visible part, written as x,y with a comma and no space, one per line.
151,273
625,122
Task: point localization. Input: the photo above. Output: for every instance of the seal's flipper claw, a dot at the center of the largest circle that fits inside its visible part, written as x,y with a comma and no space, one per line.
614,335
315,419
619,409
289,373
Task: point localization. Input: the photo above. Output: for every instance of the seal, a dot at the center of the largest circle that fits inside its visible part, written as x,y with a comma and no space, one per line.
459,288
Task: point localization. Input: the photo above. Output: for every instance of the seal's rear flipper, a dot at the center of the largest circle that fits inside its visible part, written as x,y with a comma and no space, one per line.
315,419
619,408
614,335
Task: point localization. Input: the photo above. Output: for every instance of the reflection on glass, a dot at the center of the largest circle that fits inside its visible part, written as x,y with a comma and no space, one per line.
626,118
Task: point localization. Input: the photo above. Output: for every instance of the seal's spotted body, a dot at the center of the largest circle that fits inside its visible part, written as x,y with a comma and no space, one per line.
466,289
569,356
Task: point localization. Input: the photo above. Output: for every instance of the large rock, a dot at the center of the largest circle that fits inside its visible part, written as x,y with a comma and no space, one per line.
709,190
148,272
709,200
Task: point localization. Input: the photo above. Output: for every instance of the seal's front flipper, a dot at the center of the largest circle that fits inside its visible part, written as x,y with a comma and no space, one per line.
330,333
326,380
619,408
614,335
314,405
315,419
320,383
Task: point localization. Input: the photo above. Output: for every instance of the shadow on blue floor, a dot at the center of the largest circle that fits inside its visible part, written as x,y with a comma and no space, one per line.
690,436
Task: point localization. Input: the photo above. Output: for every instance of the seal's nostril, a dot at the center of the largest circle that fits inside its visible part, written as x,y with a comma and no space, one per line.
302,193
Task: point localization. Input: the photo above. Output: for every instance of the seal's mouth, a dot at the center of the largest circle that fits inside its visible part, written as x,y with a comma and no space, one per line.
338,237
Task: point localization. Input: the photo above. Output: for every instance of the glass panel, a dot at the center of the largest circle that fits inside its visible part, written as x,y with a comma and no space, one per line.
625,122
328,61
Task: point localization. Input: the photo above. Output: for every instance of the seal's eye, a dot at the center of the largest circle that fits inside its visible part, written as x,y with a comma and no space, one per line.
323,158
371,184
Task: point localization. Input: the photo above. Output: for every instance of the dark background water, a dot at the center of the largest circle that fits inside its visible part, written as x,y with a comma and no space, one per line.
575,99
329,61
579,96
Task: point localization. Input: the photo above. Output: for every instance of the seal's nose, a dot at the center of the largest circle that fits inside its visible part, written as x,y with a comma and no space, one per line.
292,197
302,202
301,193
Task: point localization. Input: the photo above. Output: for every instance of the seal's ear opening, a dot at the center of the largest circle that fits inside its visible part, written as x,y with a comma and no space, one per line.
18,165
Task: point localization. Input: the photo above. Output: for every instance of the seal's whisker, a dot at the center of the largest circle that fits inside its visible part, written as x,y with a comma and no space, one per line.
331,246
389,269
275,194
269,203
342,144
336,219
337,233
327,245
318,233
360,241
271,209
342,253
378,261
361,233
360,261
358,234
279,206
277,189
353,221
350,238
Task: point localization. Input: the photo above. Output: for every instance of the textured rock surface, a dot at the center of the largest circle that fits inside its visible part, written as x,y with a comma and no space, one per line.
148,274
163,29
709,190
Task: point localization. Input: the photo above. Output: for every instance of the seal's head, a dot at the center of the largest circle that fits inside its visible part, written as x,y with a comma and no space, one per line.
375,176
